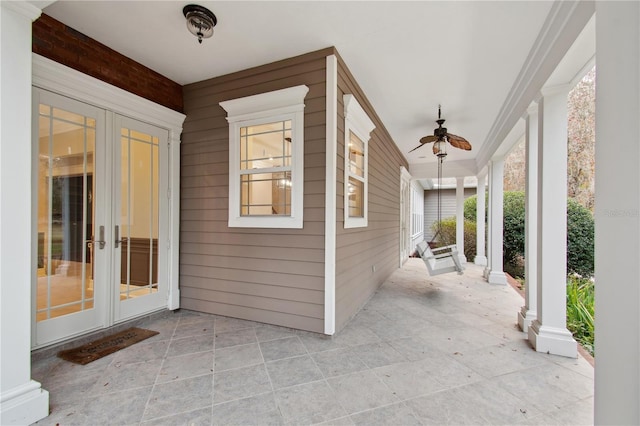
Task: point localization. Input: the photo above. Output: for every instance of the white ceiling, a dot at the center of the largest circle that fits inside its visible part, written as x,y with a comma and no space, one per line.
407,56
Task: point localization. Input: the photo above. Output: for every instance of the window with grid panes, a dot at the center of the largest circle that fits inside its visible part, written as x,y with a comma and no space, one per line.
266,155
358,127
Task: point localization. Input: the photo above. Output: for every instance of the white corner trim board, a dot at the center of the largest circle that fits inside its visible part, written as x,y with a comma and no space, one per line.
330,196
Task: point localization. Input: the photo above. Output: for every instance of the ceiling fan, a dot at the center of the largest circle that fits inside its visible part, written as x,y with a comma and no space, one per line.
440,137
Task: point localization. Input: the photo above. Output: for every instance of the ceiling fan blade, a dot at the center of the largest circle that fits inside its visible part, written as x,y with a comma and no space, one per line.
428,139
419,146
459,142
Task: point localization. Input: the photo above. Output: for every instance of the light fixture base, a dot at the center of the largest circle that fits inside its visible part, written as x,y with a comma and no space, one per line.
200,21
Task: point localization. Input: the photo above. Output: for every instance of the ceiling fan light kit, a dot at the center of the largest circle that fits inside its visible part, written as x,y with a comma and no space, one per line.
200,21
440,149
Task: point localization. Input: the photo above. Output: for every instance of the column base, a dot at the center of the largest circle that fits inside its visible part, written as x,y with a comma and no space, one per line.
486,272
480,260
462,257
497,277
24,405
525,318
551,340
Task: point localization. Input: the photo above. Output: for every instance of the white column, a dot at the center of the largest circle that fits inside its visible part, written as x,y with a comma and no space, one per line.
460,219
528,313
617,214
487,268
480,258
22,400
548,333
496,274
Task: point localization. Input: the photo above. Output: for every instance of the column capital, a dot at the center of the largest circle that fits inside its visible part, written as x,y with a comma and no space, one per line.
482,174
174,136
496,160
532,109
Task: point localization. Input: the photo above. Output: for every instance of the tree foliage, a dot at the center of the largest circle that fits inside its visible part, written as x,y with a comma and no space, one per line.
581,144
515,169
580,147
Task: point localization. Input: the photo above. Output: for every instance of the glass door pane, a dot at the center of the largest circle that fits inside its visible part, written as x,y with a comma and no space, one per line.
65,212
139,213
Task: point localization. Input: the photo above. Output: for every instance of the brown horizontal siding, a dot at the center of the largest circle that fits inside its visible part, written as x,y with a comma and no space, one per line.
253,277
274,302
258,263
250,240
361,250
220,226
262,290
268,275
58,42
261,315
262,74
256,251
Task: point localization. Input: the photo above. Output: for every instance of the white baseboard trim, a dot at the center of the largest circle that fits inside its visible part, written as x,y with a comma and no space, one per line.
24,404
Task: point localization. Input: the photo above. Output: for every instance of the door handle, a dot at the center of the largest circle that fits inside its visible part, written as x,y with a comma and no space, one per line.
119,240
101,242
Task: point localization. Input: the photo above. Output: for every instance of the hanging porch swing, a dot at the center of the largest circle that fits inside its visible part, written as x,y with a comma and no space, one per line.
441,260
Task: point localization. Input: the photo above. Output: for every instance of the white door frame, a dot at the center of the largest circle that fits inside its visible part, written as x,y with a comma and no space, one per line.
60,79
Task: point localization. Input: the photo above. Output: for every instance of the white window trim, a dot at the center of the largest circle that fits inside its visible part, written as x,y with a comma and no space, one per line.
279,105
357,121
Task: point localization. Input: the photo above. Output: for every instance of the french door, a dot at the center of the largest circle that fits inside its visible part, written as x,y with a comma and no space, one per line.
99,218
138,212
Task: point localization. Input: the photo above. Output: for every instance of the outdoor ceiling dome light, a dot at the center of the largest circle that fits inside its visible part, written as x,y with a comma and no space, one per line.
200,21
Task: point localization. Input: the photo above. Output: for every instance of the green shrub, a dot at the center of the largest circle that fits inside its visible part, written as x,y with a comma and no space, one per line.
580,239
447,235
514,215
470,206
580,311
580,234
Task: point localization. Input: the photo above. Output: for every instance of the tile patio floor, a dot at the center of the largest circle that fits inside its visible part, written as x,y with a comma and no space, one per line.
442,350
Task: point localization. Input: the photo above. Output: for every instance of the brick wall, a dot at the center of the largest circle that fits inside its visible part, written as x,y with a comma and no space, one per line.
56,41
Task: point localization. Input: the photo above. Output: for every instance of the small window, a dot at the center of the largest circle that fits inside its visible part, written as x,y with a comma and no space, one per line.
266,154
358,127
